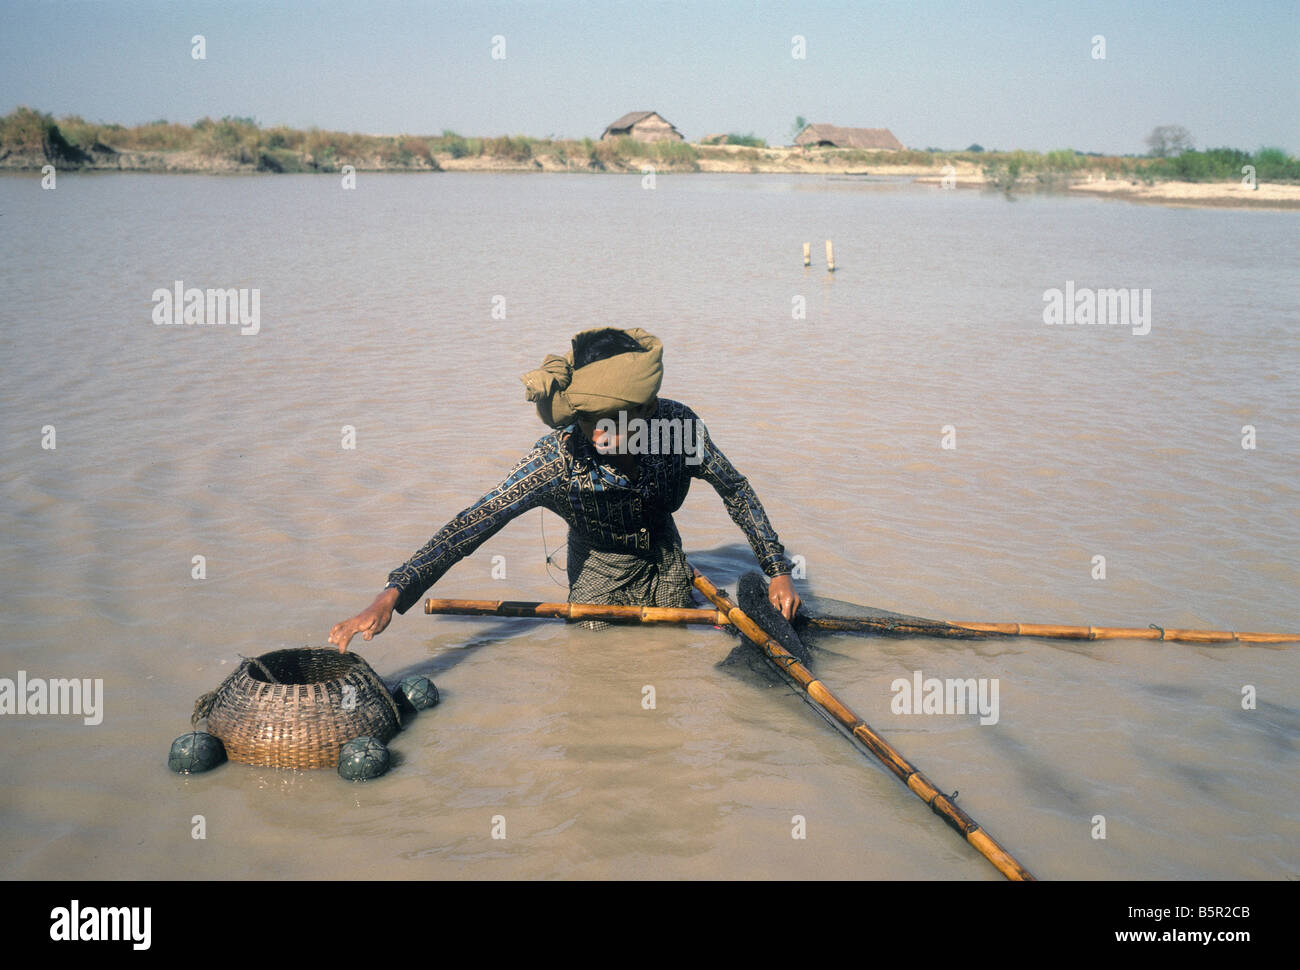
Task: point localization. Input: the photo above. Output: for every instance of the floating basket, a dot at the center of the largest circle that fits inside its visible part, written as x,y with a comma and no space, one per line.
297,708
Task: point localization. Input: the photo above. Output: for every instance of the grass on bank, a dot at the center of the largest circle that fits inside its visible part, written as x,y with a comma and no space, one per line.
240,140
28,133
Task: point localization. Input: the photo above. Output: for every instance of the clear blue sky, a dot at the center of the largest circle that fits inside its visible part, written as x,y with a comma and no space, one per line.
944,74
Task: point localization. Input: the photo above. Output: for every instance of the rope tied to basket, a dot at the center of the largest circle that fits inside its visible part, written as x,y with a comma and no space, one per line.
262,667
203,706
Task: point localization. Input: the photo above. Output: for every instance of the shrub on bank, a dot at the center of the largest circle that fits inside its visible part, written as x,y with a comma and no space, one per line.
28,132
519,149
1218,164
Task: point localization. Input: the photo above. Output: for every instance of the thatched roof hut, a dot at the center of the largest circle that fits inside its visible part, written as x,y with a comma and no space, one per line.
832,136
643,126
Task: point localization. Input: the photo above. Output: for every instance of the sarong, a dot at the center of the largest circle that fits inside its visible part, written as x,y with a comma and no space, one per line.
659,577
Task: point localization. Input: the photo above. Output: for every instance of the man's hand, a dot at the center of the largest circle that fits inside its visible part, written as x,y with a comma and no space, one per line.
781,594
370,622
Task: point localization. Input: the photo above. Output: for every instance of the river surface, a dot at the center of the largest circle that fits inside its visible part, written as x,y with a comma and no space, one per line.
835,394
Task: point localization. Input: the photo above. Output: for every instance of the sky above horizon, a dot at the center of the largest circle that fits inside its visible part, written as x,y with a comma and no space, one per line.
938,74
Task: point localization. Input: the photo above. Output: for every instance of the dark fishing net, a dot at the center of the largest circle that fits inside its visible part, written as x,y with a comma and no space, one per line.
751,596
822,615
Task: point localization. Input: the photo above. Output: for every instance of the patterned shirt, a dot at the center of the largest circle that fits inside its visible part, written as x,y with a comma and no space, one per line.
612,511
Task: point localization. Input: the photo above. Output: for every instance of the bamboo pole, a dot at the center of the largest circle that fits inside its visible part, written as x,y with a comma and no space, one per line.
830,256
807,254
964,630
921,786
575,611
884,625
1058,632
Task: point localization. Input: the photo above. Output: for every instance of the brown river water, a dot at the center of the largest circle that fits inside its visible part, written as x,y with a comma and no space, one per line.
376,312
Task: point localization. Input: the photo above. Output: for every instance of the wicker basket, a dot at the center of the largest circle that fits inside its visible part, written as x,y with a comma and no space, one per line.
297,708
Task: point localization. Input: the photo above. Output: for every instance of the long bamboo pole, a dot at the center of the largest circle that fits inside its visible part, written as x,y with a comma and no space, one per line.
1051,631
575,611
883,625
1058,632
921,786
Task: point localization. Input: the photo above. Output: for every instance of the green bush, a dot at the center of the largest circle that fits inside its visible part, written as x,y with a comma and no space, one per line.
1221,164
1275,165
1065,160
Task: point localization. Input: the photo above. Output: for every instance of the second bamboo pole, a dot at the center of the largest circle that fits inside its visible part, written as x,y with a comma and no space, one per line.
920,786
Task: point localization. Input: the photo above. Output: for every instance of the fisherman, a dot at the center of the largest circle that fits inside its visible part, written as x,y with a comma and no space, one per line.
618,501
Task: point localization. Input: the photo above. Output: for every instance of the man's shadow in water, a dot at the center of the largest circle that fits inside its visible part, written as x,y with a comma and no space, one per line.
500,630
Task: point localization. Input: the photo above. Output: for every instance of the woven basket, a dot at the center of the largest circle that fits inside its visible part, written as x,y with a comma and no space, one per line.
297,708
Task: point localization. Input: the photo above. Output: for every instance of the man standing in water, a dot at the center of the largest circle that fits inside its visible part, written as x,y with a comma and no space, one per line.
617,491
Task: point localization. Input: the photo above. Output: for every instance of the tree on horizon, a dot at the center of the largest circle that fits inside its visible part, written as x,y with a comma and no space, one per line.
1167,140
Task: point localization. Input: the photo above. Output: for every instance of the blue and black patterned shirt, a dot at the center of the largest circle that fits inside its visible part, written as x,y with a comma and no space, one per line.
565,473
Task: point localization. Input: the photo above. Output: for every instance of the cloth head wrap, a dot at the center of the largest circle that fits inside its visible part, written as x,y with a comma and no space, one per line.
623,381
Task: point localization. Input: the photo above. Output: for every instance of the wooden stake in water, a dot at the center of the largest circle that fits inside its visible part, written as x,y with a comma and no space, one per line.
807,254
830,257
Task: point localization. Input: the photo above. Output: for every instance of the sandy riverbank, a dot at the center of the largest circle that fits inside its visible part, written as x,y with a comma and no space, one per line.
1265,195
732,159
1235,194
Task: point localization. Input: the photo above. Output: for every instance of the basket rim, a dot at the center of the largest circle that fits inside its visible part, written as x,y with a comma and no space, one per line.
351,662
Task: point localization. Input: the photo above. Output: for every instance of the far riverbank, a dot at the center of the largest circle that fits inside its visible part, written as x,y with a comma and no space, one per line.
31,141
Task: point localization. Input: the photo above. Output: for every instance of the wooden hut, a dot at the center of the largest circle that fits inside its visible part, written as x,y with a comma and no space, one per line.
643,126
832,136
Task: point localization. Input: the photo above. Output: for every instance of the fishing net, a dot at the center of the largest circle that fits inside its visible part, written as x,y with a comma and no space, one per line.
751,596
820,614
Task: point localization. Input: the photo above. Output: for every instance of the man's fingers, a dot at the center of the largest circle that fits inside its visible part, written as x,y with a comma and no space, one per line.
342,633
787,606
784,605
368,624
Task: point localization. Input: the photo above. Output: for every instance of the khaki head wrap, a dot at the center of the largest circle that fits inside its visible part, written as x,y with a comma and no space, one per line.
622,381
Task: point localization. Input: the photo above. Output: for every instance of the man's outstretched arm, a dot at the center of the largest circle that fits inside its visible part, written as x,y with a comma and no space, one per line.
527,486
